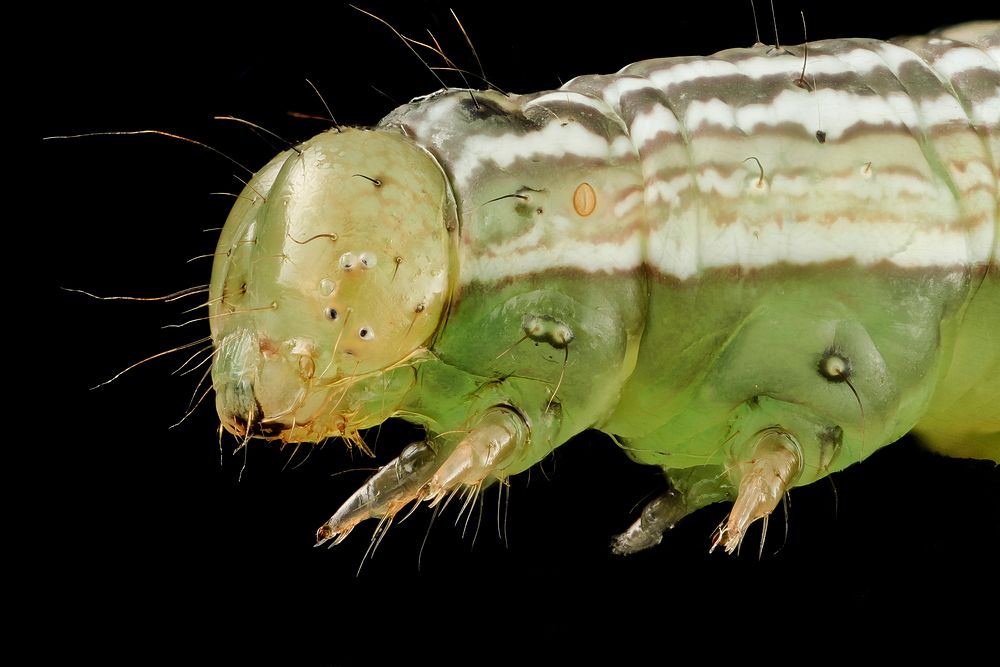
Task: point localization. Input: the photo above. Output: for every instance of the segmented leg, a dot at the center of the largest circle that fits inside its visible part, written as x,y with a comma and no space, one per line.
389,490
498,435
417,474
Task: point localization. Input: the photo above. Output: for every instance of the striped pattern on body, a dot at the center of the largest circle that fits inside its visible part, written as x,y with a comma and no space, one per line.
883,156
750,275
885,152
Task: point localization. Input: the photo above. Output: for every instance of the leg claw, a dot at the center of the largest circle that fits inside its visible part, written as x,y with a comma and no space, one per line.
417,476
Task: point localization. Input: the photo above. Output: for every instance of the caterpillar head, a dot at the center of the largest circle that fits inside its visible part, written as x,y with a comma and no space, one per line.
330,278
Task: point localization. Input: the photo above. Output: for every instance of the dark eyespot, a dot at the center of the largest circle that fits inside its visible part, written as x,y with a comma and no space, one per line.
331,313
366,333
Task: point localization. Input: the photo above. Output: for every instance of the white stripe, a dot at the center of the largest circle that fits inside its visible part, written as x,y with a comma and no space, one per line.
895,56
826,109
957,60
684,72
807,242
683,248
555,140
994,53
758,67
832,111
622,146
647,125
667,191
860,61
570,98
987,112
625,206
712,182
715,112
672,249
626,84
567,253
974,174
944,110
879,187
850,188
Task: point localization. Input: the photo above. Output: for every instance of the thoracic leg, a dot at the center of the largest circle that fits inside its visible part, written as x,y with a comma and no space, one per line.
420,474
385,493
498,435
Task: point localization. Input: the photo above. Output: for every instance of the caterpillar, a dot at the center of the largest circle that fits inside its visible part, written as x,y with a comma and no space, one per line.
166,185
750,269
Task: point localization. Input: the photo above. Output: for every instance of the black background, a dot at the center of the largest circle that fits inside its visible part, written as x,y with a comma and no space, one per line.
141,540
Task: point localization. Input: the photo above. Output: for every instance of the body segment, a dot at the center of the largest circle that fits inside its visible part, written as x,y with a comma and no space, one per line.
750,274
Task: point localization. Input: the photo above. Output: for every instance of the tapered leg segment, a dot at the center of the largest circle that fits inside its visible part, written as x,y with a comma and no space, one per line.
420,474
499,434
384,494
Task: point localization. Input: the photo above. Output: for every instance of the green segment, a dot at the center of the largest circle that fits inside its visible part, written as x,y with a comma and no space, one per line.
489,353
720,359
715,361
731,354
964,416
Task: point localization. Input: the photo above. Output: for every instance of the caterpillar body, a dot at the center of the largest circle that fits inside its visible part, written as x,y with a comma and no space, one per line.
752,270
148,520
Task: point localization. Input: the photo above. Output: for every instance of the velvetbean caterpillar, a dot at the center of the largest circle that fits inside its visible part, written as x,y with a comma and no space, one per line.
166,185
751,269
